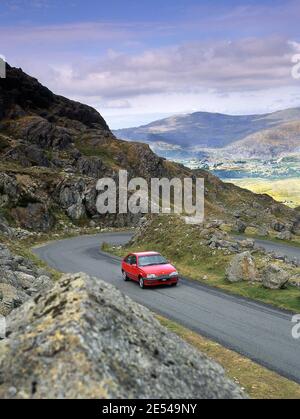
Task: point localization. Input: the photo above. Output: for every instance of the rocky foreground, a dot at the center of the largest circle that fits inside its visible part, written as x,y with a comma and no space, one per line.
84,339
20,280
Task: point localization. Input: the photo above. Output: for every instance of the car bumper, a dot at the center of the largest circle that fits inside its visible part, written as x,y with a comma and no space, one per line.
156,282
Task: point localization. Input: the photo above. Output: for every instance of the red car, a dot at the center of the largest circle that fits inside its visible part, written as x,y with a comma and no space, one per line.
149,269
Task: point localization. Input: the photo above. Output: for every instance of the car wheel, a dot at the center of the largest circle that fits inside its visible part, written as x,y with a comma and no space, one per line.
174,285
141,282
124,276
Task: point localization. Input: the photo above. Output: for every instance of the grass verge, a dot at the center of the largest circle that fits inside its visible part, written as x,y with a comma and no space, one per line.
258,382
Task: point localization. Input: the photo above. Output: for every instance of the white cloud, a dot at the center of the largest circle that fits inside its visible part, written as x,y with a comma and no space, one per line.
240,76
225,66
117,104
113,67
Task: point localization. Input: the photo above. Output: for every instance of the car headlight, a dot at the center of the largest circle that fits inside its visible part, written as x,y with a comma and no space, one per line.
151,276
174,274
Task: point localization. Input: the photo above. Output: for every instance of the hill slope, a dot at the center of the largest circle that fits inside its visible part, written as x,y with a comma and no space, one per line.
274,142
203,129
53,151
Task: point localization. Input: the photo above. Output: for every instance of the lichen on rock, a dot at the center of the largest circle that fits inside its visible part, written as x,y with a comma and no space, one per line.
85,339
242,268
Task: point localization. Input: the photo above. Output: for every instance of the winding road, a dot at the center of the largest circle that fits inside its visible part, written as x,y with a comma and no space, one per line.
260,332
292,252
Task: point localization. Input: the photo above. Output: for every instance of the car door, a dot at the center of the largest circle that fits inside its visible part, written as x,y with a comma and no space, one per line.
128,268
133,268
127,265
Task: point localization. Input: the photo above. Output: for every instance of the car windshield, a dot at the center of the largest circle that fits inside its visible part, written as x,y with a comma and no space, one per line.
152,260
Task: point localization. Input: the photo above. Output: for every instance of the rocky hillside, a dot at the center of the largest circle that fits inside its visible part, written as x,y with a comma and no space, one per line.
84,339
53,150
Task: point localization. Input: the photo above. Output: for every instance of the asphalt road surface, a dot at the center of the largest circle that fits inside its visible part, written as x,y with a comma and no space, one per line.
279,249
292,252
255,330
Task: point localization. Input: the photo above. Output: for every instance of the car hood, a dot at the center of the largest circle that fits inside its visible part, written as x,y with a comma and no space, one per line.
159,269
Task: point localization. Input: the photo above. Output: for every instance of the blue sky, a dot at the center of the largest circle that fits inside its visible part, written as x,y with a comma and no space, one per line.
136,61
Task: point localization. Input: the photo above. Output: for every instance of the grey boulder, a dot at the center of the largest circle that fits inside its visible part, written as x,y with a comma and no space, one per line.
274,277
242,268
85,339
285,235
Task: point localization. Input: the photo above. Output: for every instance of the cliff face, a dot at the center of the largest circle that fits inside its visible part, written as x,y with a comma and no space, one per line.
53,150
84,339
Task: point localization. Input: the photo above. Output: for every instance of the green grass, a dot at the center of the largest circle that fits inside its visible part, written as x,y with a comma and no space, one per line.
181,244
103,154
104,151
258,382
284,190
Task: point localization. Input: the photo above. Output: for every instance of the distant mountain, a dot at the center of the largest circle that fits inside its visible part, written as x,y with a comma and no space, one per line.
192,134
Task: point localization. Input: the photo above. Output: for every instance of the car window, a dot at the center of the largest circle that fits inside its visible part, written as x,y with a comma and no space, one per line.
127,259
152,260
131,260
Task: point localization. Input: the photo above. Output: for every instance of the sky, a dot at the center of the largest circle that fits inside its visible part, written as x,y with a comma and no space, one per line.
139,61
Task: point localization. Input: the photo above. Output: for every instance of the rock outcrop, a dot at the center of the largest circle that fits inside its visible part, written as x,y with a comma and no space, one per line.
218,239
84,339
21,94
5,228
20,279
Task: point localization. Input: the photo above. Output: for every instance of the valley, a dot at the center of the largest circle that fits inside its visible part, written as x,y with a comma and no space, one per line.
256,152
279,178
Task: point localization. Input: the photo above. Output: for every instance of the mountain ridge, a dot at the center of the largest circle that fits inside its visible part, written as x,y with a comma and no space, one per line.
198,132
